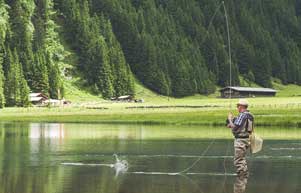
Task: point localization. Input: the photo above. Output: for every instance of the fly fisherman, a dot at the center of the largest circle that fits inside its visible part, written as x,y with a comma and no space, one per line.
242,127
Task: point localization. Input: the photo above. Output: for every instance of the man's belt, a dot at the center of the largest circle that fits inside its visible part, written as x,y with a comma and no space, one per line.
241,137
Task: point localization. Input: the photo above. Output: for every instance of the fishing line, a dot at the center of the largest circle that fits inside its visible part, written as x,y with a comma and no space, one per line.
194,183
230,84
182,174
229,50
200,157
211,21
120,167
184,156
225,168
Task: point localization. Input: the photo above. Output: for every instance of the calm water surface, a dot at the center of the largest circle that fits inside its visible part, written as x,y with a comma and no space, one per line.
71,158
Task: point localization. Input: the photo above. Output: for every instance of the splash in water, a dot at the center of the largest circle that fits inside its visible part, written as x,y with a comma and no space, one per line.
120,166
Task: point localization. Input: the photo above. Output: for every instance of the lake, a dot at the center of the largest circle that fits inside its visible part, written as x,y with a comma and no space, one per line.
71,158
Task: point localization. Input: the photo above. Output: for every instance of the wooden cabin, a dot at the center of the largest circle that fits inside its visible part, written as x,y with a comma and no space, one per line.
244,92
126,98
37,98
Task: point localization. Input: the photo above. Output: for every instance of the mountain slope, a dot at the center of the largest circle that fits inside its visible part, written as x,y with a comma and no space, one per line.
173,47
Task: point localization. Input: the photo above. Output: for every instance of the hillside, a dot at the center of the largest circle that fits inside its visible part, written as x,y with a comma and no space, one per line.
174,48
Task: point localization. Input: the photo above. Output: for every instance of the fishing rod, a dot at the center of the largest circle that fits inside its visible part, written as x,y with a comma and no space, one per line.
230,89
230,84
229,51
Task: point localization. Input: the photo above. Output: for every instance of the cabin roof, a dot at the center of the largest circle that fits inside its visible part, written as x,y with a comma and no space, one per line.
248,89
35,99
34,94
38,94
125,97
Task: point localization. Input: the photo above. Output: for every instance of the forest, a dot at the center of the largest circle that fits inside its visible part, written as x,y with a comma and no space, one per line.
173,47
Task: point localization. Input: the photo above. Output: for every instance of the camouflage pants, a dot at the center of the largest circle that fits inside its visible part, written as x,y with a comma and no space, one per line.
240,150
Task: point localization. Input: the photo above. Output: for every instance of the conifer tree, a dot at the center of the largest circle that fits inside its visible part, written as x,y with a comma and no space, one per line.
16,88
24,90
103,74
4,20
120,71
4,26
20,18
2,97
55,85
10,84
50,52
40,74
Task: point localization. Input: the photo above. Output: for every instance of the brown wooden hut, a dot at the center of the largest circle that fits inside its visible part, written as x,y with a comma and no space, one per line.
243,92
37,98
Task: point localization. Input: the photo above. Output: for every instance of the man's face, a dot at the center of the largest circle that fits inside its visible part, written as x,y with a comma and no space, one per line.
241,108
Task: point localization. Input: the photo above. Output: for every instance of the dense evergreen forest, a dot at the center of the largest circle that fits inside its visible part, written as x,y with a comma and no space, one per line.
174,47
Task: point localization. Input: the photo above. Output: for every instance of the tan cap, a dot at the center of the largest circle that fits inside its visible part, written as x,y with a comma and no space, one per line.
243,102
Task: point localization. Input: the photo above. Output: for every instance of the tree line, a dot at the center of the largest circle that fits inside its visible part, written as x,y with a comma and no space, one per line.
174,47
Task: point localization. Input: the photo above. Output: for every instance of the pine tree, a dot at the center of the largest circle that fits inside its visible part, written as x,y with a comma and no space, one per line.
4,20
55,85
22,28
4,26
24,90
40,74
10,85
261,69
16,88
120,72
104,79
2,97
50,52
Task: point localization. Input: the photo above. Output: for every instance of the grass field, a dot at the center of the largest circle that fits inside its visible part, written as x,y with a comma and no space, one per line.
284,110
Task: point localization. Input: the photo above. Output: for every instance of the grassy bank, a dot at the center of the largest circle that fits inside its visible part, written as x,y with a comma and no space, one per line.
284,111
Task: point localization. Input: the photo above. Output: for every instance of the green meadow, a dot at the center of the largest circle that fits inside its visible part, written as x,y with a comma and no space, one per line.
282,110
277,111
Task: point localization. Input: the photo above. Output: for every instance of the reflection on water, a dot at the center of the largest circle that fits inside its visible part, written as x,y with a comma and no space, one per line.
240,184
71,158
42,130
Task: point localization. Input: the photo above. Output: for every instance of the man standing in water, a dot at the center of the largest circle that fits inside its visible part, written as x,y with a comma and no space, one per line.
241,128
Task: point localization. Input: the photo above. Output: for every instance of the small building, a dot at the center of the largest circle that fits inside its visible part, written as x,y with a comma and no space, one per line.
53,102
242,92
56,102
126,98
37,98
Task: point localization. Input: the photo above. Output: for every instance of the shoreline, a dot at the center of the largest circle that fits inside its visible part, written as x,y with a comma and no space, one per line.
204,117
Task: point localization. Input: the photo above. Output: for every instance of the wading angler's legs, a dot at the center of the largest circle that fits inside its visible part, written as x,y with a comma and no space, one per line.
240,151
